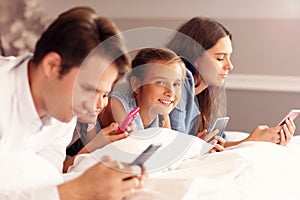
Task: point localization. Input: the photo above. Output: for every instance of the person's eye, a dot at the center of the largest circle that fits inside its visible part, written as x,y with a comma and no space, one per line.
177,84
89,89
220,57
159,82
105,95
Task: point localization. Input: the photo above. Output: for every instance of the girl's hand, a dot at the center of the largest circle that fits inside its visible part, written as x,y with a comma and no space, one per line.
105,136
109,132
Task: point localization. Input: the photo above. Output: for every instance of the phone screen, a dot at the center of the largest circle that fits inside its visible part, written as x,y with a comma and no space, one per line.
220,124
292,115
145,155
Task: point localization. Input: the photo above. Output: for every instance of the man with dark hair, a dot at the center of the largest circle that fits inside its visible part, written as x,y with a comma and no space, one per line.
41,94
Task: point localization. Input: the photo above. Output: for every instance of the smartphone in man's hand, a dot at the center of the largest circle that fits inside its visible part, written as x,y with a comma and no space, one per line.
145,155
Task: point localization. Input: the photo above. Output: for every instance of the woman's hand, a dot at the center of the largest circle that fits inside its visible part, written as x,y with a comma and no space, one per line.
202,134
286,132
279,134
218,141
264,133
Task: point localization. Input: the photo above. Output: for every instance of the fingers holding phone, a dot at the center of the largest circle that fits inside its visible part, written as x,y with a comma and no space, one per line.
202,134
217,141
217,124
215,131
137,165
132,176
287,131
209,137
291,116
128,169
134,181
288,126
114,132
110,132
128,120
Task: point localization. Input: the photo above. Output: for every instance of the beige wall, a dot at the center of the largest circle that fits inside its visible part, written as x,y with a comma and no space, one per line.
255,9
248,109
265,32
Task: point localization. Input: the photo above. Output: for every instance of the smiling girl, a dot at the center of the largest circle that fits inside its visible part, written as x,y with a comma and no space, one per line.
154,84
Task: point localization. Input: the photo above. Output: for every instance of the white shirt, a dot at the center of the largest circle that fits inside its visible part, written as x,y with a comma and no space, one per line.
22,130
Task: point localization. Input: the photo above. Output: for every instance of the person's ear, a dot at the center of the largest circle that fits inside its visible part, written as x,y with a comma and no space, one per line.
51,64
195,64
135,84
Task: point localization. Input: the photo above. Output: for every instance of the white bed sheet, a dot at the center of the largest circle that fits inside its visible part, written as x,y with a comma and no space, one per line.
251,170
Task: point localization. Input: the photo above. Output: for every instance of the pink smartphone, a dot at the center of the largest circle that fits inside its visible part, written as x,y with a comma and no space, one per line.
129,118
291,115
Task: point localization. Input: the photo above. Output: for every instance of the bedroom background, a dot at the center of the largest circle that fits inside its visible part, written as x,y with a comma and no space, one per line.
265,83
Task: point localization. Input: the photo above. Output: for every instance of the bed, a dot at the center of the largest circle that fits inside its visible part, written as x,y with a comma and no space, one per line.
251,170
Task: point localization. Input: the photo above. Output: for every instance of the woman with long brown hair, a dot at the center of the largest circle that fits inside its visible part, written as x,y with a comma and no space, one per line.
206,45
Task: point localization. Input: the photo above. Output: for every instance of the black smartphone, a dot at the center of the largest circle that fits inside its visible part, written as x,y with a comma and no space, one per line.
147,153
220,124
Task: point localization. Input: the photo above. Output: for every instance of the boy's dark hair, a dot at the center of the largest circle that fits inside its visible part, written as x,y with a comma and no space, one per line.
75,33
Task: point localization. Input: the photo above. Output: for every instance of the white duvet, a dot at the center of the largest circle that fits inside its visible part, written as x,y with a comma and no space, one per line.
251,170
175,148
